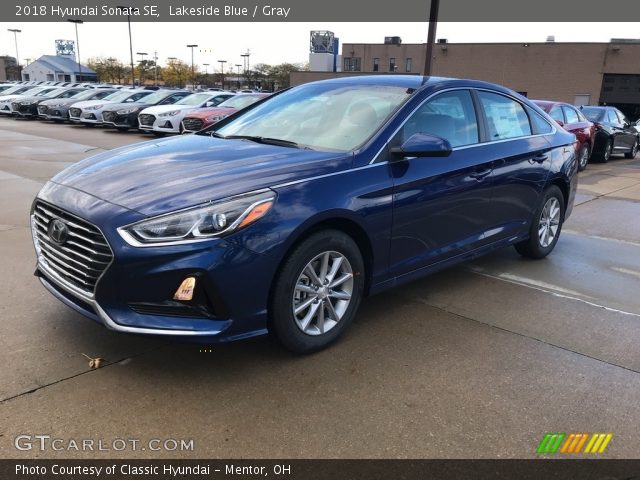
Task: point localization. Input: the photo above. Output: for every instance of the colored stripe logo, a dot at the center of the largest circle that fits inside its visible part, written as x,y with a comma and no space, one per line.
573,443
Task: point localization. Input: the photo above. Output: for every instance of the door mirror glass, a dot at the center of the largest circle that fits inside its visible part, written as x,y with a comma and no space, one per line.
423,145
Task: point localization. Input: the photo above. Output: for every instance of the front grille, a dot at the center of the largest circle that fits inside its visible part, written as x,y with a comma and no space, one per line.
81,258
42,109
75,112
193,124
109,116
146,119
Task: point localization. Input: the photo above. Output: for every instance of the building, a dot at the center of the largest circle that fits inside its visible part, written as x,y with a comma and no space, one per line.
9,69
58,68
578,73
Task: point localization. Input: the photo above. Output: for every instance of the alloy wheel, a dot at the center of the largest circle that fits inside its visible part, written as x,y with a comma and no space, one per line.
607,152
584,158
322,293
549,222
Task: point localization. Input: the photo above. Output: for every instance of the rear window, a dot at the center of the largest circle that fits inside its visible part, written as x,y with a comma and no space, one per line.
593,114
506,118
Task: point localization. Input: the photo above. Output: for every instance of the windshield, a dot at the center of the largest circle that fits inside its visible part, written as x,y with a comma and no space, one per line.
119,96
84,94
195,99
55,93
154,98
239,101
592,114
324,116
15,89
44,93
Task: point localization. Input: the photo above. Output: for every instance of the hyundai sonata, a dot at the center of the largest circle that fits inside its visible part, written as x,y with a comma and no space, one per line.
282,218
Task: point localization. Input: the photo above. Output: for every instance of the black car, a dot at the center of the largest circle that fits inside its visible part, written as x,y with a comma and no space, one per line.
124,116
28,106
614,133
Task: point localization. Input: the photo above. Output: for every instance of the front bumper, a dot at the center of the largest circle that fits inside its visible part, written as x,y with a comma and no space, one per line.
134,294
111,118
91,116
163,124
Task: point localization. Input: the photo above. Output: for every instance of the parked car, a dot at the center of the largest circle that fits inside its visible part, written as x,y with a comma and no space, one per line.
572,120
89,113
614,133
28,106
9,96
57,109
282,218
164,119
124,116
199,119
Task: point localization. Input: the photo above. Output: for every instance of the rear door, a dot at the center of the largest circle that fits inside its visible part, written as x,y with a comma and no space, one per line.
521,154
629,134
617,129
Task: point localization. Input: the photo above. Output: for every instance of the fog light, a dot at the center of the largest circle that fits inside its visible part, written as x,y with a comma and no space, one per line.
185,290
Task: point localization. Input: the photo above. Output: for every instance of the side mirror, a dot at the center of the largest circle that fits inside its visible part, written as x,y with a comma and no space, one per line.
423,145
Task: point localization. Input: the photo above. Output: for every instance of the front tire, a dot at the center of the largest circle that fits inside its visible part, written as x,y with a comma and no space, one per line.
545,226
606,152
317,292
633,151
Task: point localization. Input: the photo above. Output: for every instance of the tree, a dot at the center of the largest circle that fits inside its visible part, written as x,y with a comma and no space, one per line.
176,73
108,69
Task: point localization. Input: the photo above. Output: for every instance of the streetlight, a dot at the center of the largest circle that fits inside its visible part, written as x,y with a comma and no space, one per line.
206,72
15,32
222,62
155,68
193,76
77,22
142,55
128,10
431,35
245,58
238,75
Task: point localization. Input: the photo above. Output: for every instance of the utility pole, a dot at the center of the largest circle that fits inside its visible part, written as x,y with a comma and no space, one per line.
127,9
238,77
222,62
142,55
431,35
155,67
15,32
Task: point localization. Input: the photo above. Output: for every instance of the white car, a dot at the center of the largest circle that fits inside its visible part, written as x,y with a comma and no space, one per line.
90,111
10,95
163,119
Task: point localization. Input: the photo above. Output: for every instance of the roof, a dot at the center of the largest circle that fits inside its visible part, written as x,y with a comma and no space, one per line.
62,63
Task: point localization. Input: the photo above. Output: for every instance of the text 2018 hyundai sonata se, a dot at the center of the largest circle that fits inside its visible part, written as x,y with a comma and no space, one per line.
287,214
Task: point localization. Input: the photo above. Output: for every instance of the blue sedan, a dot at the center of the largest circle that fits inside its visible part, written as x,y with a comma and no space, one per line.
282,217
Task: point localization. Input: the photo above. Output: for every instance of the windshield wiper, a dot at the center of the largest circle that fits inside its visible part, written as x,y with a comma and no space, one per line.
269,141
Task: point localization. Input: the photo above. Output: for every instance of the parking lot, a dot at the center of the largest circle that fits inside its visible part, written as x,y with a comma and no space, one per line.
477,361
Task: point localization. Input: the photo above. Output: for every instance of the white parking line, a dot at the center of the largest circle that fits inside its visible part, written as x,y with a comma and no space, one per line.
547,288
599,237
627,271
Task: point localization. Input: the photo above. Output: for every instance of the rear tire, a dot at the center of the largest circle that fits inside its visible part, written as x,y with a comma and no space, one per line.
583,157
634,150
546,225
317,292
606,153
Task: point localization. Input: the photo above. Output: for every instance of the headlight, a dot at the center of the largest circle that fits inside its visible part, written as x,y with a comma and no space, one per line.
94,107
169,114
204,221
126,111
216,118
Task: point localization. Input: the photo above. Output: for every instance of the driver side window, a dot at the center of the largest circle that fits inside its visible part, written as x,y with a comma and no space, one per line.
450,115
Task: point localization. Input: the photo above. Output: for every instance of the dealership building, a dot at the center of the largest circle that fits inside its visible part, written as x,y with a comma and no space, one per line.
577,73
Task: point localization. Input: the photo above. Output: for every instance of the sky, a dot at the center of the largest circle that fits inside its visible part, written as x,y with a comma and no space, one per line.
275,43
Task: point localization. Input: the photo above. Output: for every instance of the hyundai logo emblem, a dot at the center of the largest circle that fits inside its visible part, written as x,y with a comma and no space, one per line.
58,231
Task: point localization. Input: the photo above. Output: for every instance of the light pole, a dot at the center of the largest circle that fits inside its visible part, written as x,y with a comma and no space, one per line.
15,32
222,62
431,35
142,55
155,68
238,75
193,77
206,72
245,58
171,60
77,22
127,9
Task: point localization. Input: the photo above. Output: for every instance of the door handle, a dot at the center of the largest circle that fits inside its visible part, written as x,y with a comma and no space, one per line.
481,173
540,158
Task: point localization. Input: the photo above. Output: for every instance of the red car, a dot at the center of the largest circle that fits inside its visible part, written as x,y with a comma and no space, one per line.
572,120
204,117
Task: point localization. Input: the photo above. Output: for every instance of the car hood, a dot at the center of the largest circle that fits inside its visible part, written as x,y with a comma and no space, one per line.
33,99
11,98
161,176
118,106
168,108
59,101
206,112
89,103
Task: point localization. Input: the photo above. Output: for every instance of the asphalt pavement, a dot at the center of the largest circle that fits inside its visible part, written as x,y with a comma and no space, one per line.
478,361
